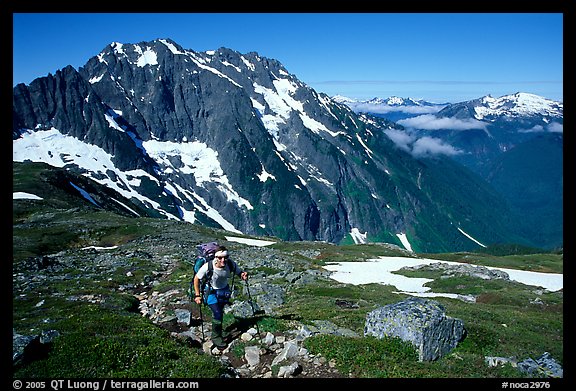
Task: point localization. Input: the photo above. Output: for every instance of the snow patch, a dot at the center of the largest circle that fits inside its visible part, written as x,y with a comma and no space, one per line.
20,195
199,160
404,239
359,238
264,175
471,238
171,47
95,79
381,270
85,194
250,242
147,57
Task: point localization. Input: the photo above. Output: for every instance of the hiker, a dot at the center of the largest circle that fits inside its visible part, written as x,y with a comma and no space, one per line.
219,291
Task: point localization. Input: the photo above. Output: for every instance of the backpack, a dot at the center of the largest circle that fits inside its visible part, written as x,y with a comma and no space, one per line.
206,253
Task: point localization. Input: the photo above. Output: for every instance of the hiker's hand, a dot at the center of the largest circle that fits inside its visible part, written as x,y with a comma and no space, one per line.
198,299
244,276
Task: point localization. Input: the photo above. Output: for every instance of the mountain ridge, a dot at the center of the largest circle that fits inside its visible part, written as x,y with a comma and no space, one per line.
519,104
229,139
480,133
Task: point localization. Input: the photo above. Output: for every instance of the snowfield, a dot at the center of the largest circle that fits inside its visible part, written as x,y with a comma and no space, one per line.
380,271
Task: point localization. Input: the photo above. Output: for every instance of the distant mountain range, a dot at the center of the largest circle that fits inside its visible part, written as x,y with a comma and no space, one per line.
498,138
392,108
235,141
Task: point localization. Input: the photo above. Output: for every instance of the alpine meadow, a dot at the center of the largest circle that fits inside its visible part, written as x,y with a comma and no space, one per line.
122,167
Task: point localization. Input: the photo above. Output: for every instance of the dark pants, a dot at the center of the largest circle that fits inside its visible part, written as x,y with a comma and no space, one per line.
217,310
217,299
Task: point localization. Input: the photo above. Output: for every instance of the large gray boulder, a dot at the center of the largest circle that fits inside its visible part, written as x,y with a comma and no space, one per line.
31,347
421,322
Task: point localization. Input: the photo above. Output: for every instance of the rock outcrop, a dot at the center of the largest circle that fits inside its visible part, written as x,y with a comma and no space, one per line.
419,321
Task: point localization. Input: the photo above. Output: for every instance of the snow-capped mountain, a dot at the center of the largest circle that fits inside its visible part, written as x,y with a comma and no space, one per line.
392,108
516,106
518,148
392,101
235,141
498,138
484,128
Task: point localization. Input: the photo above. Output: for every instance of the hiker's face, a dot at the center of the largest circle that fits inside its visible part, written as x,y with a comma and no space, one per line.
220,261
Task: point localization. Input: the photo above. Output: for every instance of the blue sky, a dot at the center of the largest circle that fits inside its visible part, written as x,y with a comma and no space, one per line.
440,57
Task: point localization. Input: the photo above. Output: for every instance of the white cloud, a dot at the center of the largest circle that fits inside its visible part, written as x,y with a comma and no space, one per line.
431,122
400,138
384,109
553,127
420,147
432,146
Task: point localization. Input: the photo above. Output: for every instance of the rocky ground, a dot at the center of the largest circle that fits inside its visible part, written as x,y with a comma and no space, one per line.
163,298
250,353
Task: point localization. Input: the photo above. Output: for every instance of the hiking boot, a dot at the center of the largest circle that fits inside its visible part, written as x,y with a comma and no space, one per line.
229,335
216,335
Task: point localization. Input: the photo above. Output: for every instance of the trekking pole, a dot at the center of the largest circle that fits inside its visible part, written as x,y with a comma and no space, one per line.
201,322
253,311
199,306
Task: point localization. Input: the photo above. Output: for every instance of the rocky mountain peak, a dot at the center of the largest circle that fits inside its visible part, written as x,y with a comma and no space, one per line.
235,141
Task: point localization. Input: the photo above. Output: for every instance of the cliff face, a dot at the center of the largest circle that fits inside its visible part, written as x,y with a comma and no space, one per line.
235,141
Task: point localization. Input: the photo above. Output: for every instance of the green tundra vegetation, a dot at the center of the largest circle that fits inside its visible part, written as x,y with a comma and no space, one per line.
102,333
